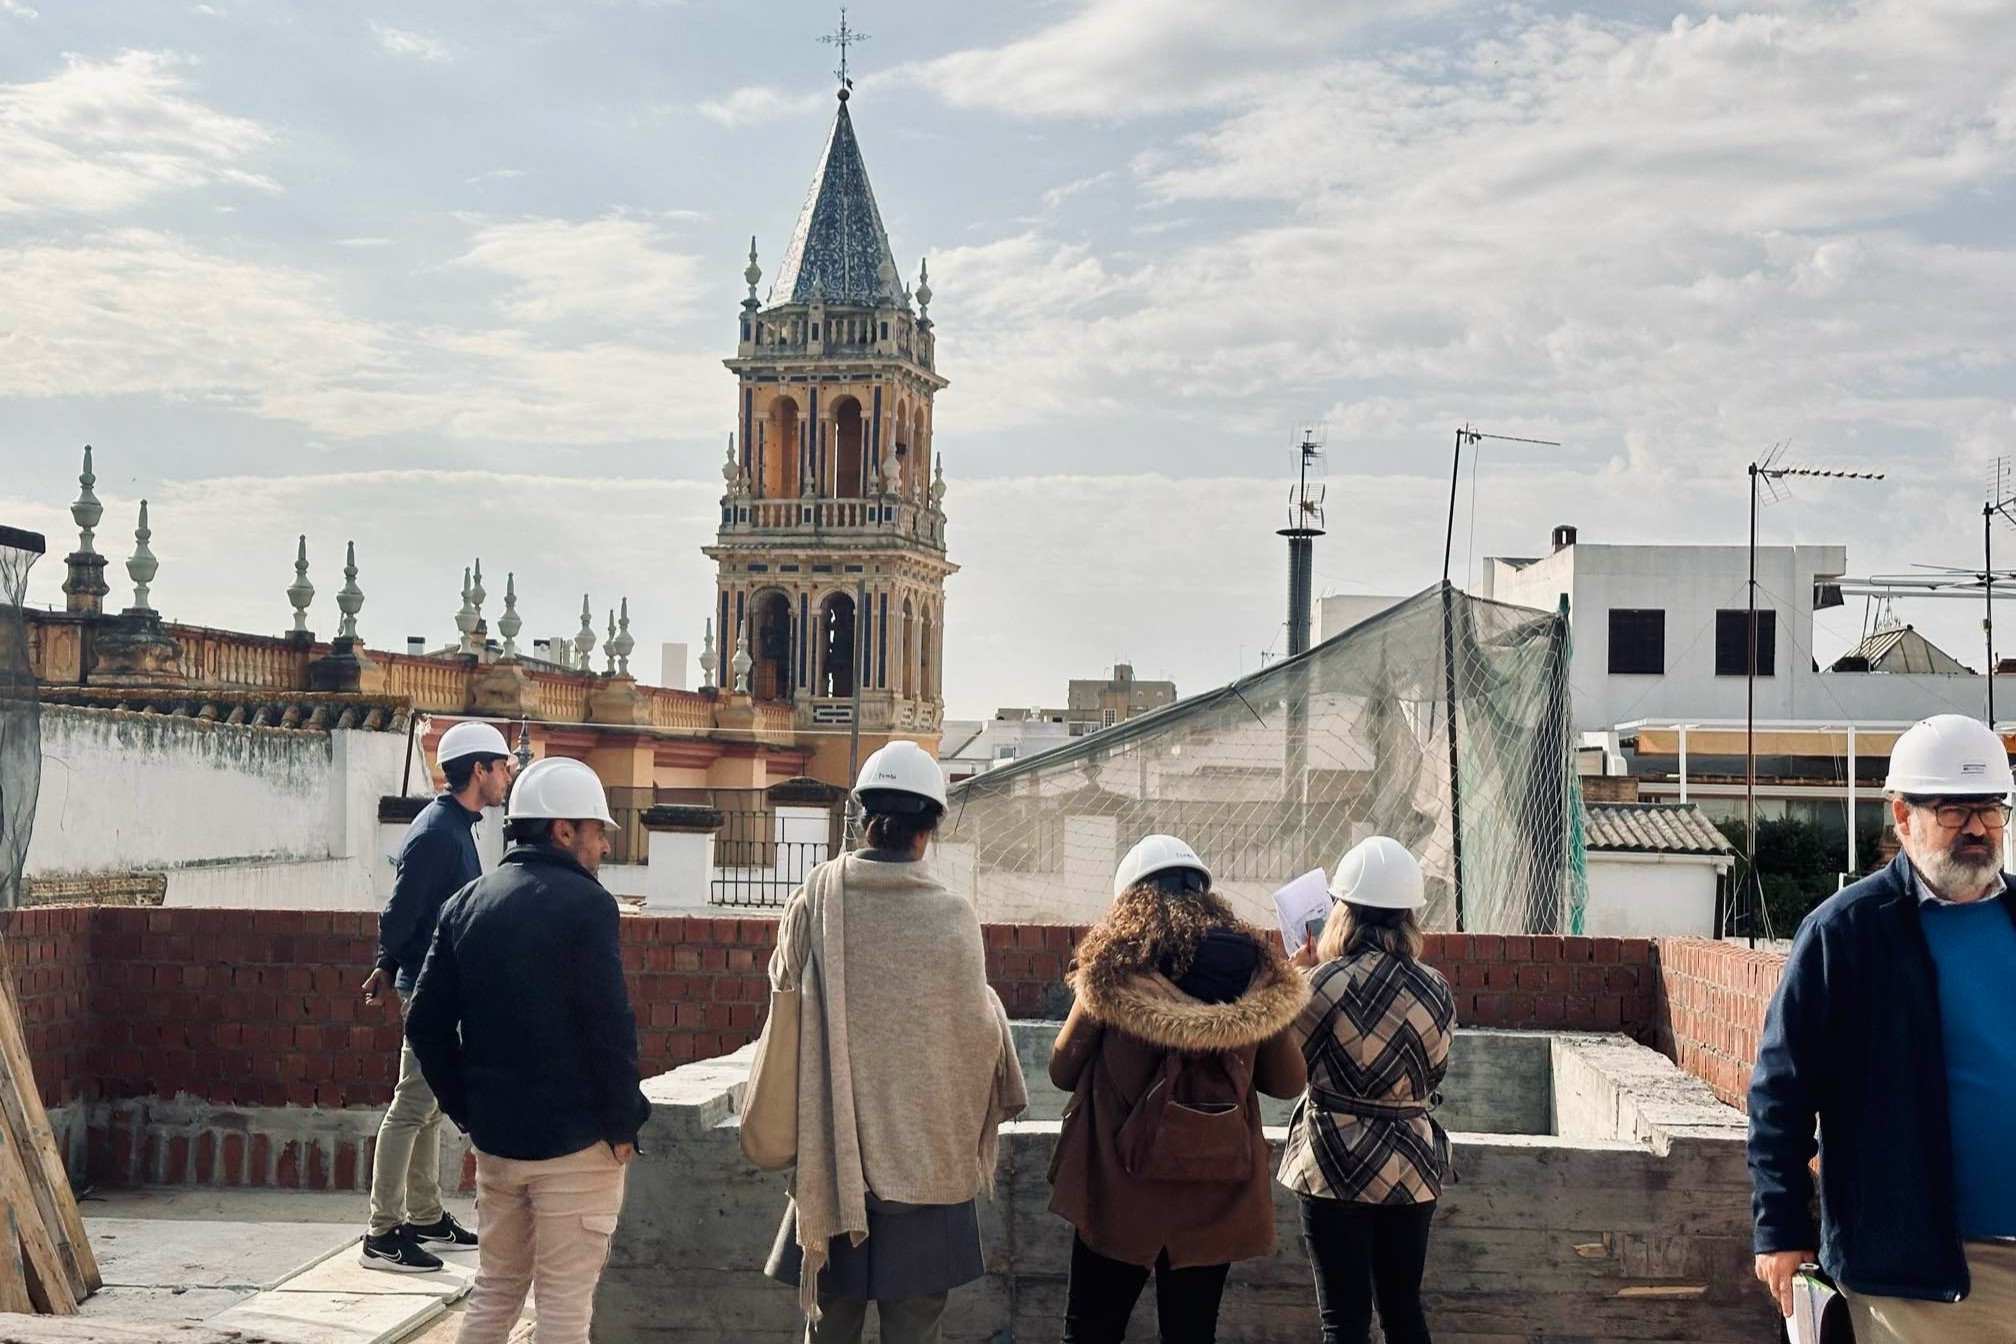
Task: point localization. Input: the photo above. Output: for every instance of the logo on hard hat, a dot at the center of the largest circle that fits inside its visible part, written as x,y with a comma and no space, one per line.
1974,768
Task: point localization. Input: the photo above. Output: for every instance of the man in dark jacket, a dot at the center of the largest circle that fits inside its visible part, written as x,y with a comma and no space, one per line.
1895,1025
437,859
522,1024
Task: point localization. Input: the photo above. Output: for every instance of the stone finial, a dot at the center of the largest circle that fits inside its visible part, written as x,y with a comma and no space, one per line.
349,598
731,470
142,567
523,749
938,484
584,642
609,647
743,662
465,618
751,274
87,510
924,291
624,643
301,592
707,659
818,289
476,596
510,623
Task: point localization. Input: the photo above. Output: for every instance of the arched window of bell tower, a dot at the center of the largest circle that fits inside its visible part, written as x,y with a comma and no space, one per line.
848,449
836,647
770,646
927,657
780,450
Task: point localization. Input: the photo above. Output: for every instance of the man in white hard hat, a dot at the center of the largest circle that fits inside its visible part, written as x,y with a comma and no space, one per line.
522,1024
1894,1026
436,860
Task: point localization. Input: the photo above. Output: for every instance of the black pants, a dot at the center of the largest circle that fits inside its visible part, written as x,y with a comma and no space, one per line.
1103,1292
1367,1252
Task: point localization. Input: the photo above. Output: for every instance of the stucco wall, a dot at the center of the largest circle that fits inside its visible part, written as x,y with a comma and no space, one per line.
1649,896
124,792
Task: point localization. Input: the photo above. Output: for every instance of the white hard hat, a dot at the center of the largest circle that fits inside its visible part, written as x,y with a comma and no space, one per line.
1949,754
1379,872
1156,854
902,767
558,789
470,739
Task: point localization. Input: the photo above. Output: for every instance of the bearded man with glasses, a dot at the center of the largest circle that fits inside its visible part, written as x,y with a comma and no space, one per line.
1894,1026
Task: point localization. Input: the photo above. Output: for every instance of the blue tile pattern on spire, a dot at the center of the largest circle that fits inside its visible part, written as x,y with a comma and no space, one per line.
839,241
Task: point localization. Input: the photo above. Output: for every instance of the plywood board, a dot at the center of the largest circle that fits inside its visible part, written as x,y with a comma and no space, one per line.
330,1318
341,1273
167,1306
164,1253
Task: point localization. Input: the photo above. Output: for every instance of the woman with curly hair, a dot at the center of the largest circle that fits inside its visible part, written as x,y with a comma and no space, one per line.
1182,1018
1364,1150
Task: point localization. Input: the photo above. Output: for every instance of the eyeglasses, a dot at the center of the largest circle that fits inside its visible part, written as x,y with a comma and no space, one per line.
1953,816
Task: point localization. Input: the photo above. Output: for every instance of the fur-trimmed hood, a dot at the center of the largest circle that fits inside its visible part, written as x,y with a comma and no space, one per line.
1143,1002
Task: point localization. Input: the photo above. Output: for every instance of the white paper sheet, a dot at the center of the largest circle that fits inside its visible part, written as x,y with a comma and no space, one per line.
1810,1300
1304,899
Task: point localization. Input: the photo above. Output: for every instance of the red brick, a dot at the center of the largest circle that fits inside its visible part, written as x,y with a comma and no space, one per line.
287,1172
318,1168
1546,948
256,1162
1000,935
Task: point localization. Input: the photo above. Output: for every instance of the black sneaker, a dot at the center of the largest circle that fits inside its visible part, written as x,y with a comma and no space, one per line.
447,1234
398,1252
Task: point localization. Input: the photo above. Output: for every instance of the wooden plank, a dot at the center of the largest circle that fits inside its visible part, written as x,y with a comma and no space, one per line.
48,1280
13,1272
57,1201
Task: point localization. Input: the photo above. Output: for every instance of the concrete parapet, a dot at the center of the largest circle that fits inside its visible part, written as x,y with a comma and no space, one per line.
1633,1224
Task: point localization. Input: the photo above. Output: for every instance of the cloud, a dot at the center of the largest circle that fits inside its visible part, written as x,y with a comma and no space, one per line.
400,42
134,312
17,10
209,11
759,104
495,175
614,270
1133,58
104,136
360,243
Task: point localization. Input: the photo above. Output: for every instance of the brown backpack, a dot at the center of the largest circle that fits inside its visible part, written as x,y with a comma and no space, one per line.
1190,1125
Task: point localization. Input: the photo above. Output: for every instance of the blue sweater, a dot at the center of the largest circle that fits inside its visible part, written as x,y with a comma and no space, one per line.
1854,1037
1974,952
437,860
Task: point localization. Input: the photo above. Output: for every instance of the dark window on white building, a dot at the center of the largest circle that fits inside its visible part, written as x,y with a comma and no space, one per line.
1637,641
1732,643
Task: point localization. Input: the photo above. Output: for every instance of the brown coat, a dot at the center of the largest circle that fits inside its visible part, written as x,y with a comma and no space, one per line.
1108,1053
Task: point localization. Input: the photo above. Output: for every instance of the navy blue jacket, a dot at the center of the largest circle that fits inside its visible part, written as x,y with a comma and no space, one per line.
1853,1037
521,1022
437,859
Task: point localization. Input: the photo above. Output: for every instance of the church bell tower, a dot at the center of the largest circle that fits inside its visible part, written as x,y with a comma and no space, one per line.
830,559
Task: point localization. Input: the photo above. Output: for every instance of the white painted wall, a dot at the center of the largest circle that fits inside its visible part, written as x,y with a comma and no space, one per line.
1690,584
129,792
1336,614
975,746
1651,895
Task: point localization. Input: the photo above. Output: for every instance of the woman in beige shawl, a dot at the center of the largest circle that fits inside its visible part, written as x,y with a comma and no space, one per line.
905,1072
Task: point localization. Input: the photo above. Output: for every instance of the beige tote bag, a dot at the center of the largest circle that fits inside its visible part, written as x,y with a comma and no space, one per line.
770,1101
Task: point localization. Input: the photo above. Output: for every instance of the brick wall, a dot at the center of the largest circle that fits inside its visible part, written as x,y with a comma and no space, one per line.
233,1045
1709,1009
50,954
1544,982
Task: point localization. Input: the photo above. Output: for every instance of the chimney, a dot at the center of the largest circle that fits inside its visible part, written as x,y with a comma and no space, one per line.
1564,537
416,645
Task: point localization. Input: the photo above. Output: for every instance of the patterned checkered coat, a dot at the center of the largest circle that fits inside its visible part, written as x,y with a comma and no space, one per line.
1376,1037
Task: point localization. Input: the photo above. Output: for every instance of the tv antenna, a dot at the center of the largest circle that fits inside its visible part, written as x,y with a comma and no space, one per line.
2001,500
1768,477
1305,524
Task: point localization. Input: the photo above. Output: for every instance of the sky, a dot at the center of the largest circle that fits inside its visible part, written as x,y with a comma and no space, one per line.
454,280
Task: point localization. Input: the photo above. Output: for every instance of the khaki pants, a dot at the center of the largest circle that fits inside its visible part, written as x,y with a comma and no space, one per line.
545,1227
908,1320
406,1168
1987,1316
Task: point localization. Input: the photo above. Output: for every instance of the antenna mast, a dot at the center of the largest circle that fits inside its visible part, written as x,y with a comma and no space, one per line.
1305,524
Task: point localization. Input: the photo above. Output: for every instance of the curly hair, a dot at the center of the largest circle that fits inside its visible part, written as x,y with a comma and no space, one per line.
1147,924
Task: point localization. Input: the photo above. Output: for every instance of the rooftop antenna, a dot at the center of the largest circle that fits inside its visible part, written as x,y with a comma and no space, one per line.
1305,524
2001,499
844,38
1472,436
1768,475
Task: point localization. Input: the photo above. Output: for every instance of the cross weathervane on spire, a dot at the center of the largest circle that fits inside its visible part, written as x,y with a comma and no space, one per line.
843,39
